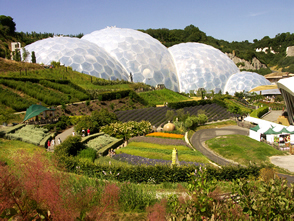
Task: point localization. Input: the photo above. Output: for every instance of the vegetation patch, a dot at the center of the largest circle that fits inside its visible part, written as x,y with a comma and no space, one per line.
167,135
156,151
242,149
29,133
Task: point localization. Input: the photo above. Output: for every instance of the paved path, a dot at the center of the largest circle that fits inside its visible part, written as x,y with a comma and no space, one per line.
63,136
198,139
273,116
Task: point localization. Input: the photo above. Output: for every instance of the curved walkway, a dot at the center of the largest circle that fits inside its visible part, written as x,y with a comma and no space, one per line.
198,141
62,136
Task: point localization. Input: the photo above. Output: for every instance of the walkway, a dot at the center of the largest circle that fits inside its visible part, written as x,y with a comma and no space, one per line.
273,116
63,136
198,141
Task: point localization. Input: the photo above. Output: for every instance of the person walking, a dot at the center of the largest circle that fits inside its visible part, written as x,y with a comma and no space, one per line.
59,140
88,131
48,144
52,142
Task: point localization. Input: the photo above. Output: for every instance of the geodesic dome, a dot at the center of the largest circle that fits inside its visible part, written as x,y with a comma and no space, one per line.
81,55
202,66
145,57
244,81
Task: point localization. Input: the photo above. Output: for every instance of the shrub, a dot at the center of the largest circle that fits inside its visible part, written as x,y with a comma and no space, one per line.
259,112
70,146
88,153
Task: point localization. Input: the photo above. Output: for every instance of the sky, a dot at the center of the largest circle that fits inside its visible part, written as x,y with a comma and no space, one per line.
230,20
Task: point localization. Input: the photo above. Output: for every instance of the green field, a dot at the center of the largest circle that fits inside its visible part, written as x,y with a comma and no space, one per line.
242,149
164,152
159,97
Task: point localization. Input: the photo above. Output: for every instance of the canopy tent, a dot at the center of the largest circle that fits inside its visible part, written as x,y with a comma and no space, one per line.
270,131
35,110
256,128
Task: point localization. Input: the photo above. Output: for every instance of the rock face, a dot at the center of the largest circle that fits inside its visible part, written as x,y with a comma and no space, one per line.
290,51
254,65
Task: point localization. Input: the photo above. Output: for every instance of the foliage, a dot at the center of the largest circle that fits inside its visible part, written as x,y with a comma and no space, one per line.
69,147
95,121
159,152
265,200
87,153
5,115
135,198
100,142
127,130
158,140
259,112
160,97
29,134
33,57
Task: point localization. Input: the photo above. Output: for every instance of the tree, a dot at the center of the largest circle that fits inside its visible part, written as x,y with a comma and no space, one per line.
33,57
25,54
7,24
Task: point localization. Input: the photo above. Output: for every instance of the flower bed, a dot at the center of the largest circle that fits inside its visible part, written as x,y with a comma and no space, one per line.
137,160
168,135
158,140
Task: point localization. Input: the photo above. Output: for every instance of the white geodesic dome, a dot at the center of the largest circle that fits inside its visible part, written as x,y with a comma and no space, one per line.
81,55
202,66
244,81
145,57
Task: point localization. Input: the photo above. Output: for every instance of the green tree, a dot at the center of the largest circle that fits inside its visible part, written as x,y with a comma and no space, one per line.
7,24
33,57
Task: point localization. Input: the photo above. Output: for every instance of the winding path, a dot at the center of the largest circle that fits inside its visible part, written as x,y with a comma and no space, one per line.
198,141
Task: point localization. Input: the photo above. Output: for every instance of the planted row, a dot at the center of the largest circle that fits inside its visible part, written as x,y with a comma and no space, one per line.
13,100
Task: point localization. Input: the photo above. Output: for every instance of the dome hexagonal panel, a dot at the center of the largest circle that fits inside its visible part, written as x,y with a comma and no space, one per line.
245,81
201,66
140,54
81,55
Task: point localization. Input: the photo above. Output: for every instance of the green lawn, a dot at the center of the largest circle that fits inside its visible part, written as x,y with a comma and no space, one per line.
242,149
158,97
164,152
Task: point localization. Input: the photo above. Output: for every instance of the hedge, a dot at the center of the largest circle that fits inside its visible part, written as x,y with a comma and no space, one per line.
14,128
104,151
182,104
161,173
259,112
88,138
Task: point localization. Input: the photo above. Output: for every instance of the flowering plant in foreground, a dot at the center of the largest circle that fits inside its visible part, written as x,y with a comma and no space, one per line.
169,135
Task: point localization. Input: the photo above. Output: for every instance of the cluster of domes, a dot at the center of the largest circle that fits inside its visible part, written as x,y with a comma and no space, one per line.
116,53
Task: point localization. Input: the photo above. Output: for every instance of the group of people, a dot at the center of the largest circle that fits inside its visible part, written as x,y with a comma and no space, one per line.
83,132
111,152
51,143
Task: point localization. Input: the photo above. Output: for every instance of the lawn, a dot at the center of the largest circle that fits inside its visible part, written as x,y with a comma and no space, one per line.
162,152
242,149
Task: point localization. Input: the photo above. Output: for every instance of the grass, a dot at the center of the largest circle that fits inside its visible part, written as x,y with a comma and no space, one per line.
242,149
164,152
159,97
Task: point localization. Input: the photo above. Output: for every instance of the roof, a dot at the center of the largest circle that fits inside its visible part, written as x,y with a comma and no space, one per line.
260,122
287,84
35,110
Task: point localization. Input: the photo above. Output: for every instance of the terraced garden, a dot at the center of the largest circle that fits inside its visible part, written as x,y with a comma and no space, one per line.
157,115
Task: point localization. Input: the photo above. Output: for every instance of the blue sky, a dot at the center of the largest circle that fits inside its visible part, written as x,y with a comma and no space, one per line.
234,20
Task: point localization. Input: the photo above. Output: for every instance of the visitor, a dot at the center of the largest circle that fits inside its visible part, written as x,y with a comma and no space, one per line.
83,133
48,144
52,142
59,140
88,131
73,133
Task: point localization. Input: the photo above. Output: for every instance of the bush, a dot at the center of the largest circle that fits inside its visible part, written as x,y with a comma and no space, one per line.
70,146
259,112
88,153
